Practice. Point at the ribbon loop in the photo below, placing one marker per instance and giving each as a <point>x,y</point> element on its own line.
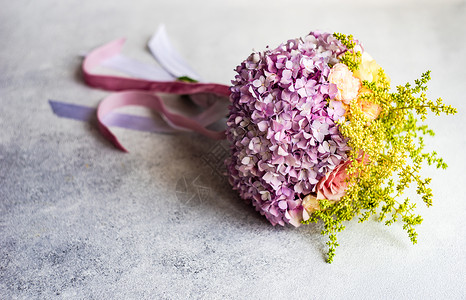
<point>141,92</point>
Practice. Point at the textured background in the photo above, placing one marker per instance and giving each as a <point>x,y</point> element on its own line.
<point>79,219</point>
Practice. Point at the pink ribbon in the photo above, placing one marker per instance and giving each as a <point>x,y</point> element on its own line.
<point>141,92</point>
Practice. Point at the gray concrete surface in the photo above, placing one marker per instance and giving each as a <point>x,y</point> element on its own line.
<point>80,220</point>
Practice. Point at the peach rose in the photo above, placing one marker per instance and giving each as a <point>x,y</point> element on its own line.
<point>333,185</point>
<point>348,85</point>
<point>370,110</point>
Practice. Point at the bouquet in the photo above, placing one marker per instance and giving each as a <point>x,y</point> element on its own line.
<point>316,132</point>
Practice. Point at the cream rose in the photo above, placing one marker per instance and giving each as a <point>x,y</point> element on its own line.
<point>348,85</point>
<point>310,205</point>
<point>368,69</point>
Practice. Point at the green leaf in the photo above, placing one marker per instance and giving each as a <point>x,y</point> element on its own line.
<point>186,79</point>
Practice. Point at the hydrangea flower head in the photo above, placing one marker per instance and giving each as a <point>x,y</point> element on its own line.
<point>282,125</point>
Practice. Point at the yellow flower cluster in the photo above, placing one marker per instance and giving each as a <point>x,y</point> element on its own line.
<point>382,126</point>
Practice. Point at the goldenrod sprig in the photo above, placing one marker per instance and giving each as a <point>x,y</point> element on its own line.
<point>393,155</point>
<point>350,58</point>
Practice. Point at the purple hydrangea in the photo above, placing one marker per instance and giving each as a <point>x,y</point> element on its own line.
<point>282,128</point>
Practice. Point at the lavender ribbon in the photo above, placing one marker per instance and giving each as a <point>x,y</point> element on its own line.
<point>88,114</point>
